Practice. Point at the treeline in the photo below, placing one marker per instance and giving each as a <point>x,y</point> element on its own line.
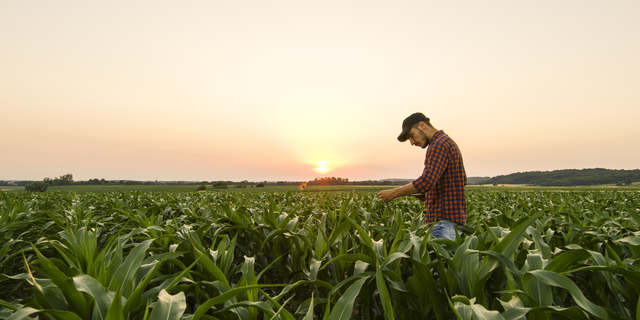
<point>67,180</point>
<point>569,177</point>
<point>15,183</point>
<point>334,181</point>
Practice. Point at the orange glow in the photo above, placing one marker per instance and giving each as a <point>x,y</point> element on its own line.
<point>322,166</point>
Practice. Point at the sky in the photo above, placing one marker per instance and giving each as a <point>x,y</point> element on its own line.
<point>277,90</point>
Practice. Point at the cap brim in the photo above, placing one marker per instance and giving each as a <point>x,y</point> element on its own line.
<point>403,135</point>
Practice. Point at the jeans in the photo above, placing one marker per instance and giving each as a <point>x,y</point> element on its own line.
<point>445,229</point>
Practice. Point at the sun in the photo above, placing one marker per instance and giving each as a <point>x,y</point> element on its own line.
<point>322,166</point>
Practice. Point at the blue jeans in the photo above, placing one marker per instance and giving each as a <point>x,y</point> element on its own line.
<point>444,229</point>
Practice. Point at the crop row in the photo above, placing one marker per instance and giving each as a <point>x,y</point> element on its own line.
<point>324,255</point>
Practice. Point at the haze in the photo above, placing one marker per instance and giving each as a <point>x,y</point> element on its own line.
<point>268,90</point>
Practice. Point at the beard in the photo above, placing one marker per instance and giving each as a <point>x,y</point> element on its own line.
<point>425,137</point>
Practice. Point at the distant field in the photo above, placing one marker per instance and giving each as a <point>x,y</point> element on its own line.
<point>516,187</point>
<point>9,189</point>
<point>193,188</point>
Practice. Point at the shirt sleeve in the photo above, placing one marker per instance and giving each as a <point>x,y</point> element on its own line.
<point>434,165</point>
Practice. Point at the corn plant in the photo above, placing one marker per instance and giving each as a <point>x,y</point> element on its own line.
<point>322,255</point>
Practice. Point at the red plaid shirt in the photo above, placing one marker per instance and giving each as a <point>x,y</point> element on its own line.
<point>443,181</point>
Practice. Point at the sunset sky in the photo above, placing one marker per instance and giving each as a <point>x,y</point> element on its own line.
<point>274,90</point>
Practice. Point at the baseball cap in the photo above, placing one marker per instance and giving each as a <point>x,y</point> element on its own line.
<point>409,122</point>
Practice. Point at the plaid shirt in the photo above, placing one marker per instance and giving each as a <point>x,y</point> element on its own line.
<point>443,181</point>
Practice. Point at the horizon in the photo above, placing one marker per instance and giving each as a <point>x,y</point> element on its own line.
<point>350,180</point>
<point>287,91</point>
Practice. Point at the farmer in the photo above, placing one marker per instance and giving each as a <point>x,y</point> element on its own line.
<point>442,181</point>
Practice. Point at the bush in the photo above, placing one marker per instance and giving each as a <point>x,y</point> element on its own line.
<point>37,186</point>
<point>220,185</point>
<point>202,188</point>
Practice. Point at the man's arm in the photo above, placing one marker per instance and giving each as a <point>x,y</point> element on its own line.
<point>390,194</point>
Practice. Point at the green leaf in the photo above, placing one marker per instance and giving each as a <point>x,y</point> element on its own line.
<point>471,310</point>
<point>338,232</point>
<point>75,299</point>
<point>91,286</point>
<point>363,234</point>
<point>437,298</point>
<point>23,313</point>
<point>123,277</point>
<point>344,307</point>
<point>41,299</point>
<point>514,309</point>
<point>169,307</point>
<point>509,243</point>
<point>387,306</point>
<point>61,314</point>
<point>115,309</point>
<point>563,262</point>
<point>634,241</point>
<point>210,266</point>
<point>281,310</point>
<point>393,257</point>
<point>203,308</point>
<point>180,276</point>
<point>258,305</point>
<point>351,258</point>
<point>573,313</point>
<point>134,299</point>
<point>558,280</point>
<point>309,315</point>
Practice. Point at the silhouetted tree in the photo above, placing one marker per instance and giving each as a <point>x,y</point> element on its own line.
<point>37,186</point>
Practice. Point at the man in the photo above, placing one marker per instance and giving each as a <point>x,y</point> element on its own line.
<point>442,181</point>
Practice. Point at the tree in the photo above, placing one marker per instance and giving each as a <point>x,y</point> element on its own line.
<point>220,185</point>
<point>37,186</point>
<point>63,180</point>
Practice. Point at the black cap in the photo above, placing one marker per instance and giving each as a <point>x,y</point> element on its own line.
<point>409,122</point>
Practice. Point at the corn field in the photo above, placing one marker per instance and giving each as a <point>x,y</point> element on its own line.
<point>324,255</point>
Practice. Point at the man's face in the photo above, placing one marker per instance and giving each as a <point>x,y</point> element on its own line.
<point>419,138</point>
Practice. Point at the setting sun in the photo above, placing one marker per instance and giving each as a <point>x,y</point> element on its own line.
<point>322,166</point>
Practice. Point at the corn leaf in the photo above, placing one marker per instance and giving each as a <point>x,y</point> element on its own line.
<point>23,313</point>
<point>115,309</point>
<point>344,306</point>
<point>99,294</point>
<point>75,299</point>
<point>204,307</point>
<point>169,307</point>
<point>558,280</point>
<point>384,294</point>
<point>123,278</point>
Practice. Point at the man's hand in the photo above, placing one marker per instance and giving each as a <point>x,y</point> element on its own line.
<point>386,195</point>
